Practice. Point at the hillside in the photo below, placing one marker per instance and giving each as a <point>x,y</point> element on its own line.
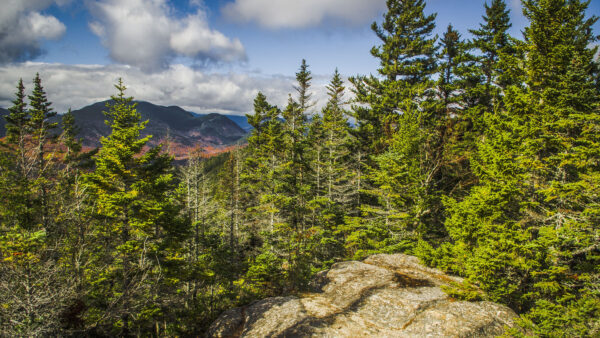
<point>240,120</point>
<point>185,130</point>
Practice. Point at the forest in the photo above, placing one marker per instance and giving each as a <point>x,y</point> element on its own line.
<point>480,156</point>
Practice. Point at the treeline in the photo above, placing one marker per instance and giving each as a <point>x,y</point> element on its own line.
<point>481,156</point>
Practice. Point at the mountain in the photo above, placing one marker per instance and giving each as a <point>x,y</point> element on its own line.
<point>240,120</point>
<point>186,131</point>
<point>183,129</point>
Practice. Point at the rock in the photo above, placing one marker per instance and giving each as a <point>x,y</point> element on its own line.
<point>383,296</point>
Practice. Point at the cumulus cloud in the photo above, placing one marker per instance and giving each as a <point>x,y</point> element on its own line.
<point>23,27</point>
<point>79,85</point>
<point>148,34</point>
<point>302,14</point>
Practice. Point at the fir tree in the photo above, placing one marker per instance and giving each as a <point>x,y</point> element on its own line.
<point>333,189</point>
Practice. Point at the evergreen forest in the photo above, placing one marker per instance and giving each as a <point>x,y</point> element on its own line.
<point>480,156</point>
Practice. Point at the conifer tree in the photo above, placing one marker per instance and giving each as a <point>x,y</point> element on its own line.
<point>17,126</point>
<point>18,205</point>
<point>261,168</point>
<point>261,179</point>
<point>498,50</point>
<point>70,131</point>
<point>402,113</point>
<point>333,189</point>
<point>562,154</point>
<point>294,187</point>
<point>137,228</point>
<point>40,114</point>
<point>336,141</point>
<point>407,60</point>
<point>40,126</point>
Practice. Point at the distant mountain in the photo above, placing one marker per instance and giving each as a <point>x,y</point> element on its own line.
<point>183,128</point>
<point>240,120</point>
<point>185,131</point>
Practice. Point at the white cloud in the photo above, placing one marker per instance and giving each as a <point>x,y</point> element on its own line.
<point>23,27</point>
<point>516,5</point>
<point>302,13</point>
<point>79,85</point>
<point>148,34</point>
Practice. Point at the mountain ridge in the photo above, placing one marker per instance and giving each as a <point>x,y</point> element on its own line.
<point>184,130</point>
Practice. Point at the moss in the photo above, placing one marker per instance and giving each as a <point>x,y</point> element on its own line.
<point>464,291</point>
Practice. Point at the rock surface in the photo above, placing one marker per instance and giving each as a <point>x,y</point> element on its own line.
<point>383,296</point>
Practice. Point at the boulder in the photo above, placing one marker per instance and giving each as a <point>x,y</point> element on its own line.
<point>383,296</point>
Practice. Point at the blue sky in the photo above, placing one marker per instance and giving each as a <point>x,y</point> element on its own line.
<point>211,55</point>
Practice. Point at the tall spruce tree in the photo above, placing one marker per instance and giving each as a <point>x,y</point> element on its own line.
<point>294,188</point>
<point>137,232</point>
<point>562,157</point>
<point>401,112</point>
<point>498,51</point>
<point>337,177</point>
<point>18,205</point>
<point>40,127</point>
<point>407,60</point>
<point>333,193</point>
<point>261,183</point>
<point>17,126</point>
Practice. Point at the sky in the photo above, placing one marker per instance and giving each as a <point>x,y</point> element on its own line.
<point>203,55</point>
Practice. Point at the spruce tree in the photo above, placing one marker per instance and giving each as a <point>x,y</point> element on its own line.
<point>407,60</point>
<point>498,49</point>
<point>137,232</point>
<point>69,139</point>
<point>261,195</point>
<point>40,114</point>
<point>562,155</point>
<point>17,124</point>
<point>262,166</point>
<point>401,199</point>
<point>40,126</point>
<point>19,208</point>
<point>293,184</point>
<point>332,178</point>
<point>336,142</point>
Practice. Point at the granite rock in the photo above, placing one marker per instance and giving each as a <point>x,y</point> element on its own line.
<point>383,296</point>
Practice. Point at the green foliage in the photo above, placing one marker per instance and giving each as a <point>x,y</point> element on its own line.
<point>521,233</point>
<point>17,119</point>
<point>480,157</point>
<point>137,230</point>
<point>463,291</point>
